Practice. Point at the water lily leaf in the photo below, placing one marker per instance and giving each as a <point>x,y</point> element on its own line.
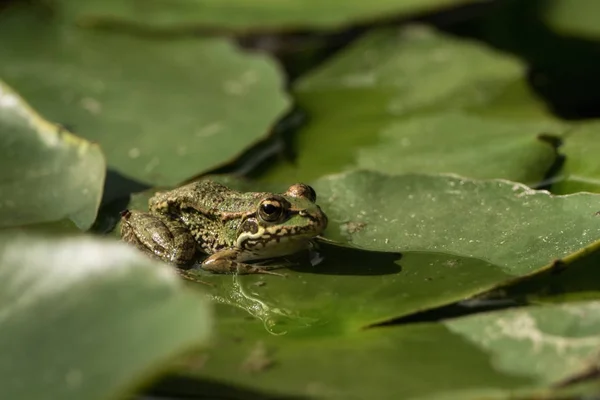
<point>162,110</point>
<point>457,238</point>
<point>489,220</point>
<point>395,97</point>
<point>573,17</point>
<point>47,174</point>
<point>519,353</point>
<point>581,169</point>
<point>417,68</point>
<point>464,144</point>
<point>243,15</point>
<point>100,318</point>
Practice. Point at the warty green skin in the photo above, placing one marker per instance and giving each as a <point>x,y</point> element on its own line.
<point>230,227</point>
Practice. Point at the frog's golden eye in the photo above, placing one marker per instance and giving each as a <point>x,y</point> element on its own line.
<point>270,210</point>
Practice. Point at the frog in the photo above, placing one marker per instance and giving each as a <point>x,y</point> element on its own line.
<point>231,230</point>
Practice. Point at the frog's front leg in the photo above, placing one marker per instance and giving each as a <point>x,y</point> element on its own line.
<point>158,236</point>
<point>226,261</point>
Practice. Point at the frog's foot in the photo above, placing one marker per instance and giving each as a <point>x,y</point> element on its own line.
<point>187,274</point>
<point>224,262</point>
<point>158,237</point>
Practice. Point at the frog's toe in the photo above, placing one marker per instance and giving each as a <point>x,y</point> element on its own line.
<point>242,268</point>
<point>220,266</point>
<point>258,270</point>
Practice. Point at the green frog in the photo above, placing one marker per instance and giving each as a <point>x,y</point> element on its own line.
<point>229,227</point>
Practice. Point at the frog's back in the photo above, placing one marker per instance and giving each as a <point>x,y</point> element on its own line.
<point>206,196</point>
<point>219,197</point>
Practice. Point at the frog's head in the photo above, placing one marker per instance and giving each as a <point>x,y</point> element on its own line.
<point>282,222</point>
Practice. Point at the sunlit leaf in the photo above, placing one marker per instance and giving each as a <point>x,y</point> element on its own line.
<point>46,174</point>
<point>83,318</point>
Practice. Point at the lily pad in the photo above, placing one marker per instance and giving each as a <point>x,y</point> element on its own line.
<point>581,170</point>
<point>46,173</point>
<point>244,15</point>
<point>464,144</point>
<point>396,96</point>
<point>162,110</point>
<point>100,319</point>
<point>573,17</point>
<point>410,243</point>
<point>512,354</point>
<point>502,222</point>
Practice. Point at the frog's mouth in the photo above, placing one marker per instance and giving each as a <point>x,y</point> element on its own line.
<point>273,249</point>
<point>280,239</point>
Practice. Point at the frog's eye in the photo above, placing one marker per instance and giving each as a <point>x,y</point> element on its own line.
<point>302,190</point>
<point>270,210</point>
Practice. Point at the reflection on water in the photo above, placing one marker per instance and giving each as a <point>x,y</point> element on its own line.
<point>310,293</point>
<point>276,319</point>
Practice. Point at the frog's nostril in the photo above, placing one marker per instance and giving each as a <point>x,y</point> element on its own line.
<point>125,214</point>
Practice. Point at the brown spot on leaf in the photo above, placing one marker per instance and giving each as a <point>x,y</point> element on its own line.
<point>258,359</point>
<point>353,227</point>
<point>196,362</point>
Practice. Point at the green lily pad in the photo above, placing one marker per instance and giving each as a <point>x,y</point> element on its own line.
<point>411,101</point>
<point>457,238</point>
<point>244,15</point>
<point>581,169</point>
<point>573,17</point>
<point>512,354</point>
<point>84,318</point>
<point>502,222</point>
<point>464,144</point>
<point>47,174</point>
<point>162,110</point>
